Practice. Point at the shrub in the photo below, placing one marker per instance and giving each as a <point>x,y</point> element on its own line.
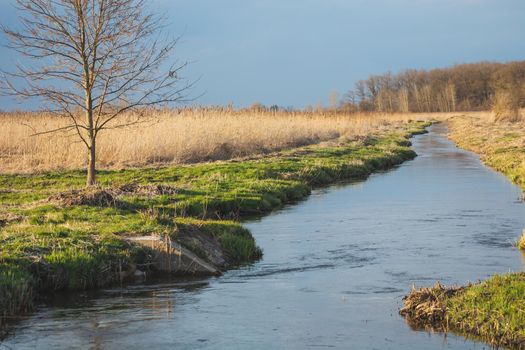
<point>506,106</point>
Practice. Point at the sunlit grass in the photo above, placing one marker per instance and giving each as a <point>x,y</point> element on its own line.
<point>493,310</point>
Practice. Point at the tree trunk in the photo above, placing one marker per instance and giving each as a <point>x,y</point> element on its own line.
<point>91,173</point>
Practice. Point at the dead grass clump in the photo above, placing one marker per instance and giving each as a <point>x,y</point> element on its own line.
<point>91,196</point>
<point>425,307</point>
<point>7,218</point>
<point>108,197</point>
<point>146,190</point>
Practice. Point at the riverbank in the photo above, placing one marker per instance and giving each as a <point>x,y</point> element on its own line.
<point>493,310</point>
<point>57,236</point>
<point>500,145</point>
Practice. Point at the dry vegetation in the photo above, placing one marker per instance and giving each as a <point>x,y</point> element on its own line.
<point>176,137</point>
<point>426,307</point>
<point>500,144</point>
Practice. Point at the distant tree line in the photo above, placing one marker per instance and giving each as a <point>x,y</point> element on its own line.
<point>464,87</point>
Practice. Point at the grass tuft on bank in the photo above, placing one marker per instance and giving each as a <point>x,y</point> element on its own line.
<point>492,311</point>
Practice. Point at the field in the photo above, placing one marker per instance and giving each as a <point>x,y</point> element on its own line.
<point>178,137</point>
<point>56,235</point>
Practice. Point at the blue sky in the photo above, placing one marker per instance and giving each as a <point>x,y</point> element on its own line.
<point>295,52</point>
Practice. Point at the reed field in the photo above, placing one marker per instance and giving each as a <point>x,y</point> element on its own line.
<point>179,136</point>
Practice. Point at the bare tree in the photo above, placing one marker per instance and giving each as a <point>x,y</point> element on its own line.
<point>93,61</point>
<point>403,100</point>
<point>333,99</point>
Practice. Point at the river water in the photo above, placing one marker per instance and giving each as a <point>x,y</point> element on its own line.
<point>335,269</point>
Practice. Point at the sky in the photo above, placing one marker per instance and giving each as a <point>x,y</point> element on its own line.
<point>296,52</point>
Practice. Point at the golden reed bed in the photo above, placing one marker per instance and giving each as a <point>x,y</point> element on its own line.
<point>178,136</point>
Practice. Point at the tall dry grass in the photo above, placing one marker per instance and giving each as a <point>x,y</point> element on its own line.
<point>177,136</point>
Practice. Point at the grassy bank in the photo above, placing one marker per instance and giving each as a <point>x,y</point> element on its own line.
<point>500,145</point>
<point>492,311</point>
<point>55,236</point>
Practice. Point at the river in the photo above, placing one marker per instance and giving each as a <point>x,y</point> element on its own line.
<point>334,272</point>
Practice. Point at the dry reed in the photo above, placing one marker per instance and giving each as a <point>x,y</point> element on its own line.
<point>177,136</point>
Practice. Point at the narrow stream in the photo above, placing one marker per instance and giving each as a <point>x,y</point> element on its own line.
<point>335,269</point>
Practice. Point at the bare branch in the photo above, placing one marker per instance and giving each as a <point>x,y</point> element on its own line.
<point>94,61</point>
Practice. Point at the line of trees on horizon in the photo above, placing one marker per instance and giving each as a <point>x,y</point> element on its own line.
<point>463,87</point>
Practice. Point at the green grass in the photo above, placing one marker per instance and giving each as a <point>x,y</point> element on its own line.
<point>51,248</point>
<point>493,310</point>
<point>509,161</point>
<point>16,290</point>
